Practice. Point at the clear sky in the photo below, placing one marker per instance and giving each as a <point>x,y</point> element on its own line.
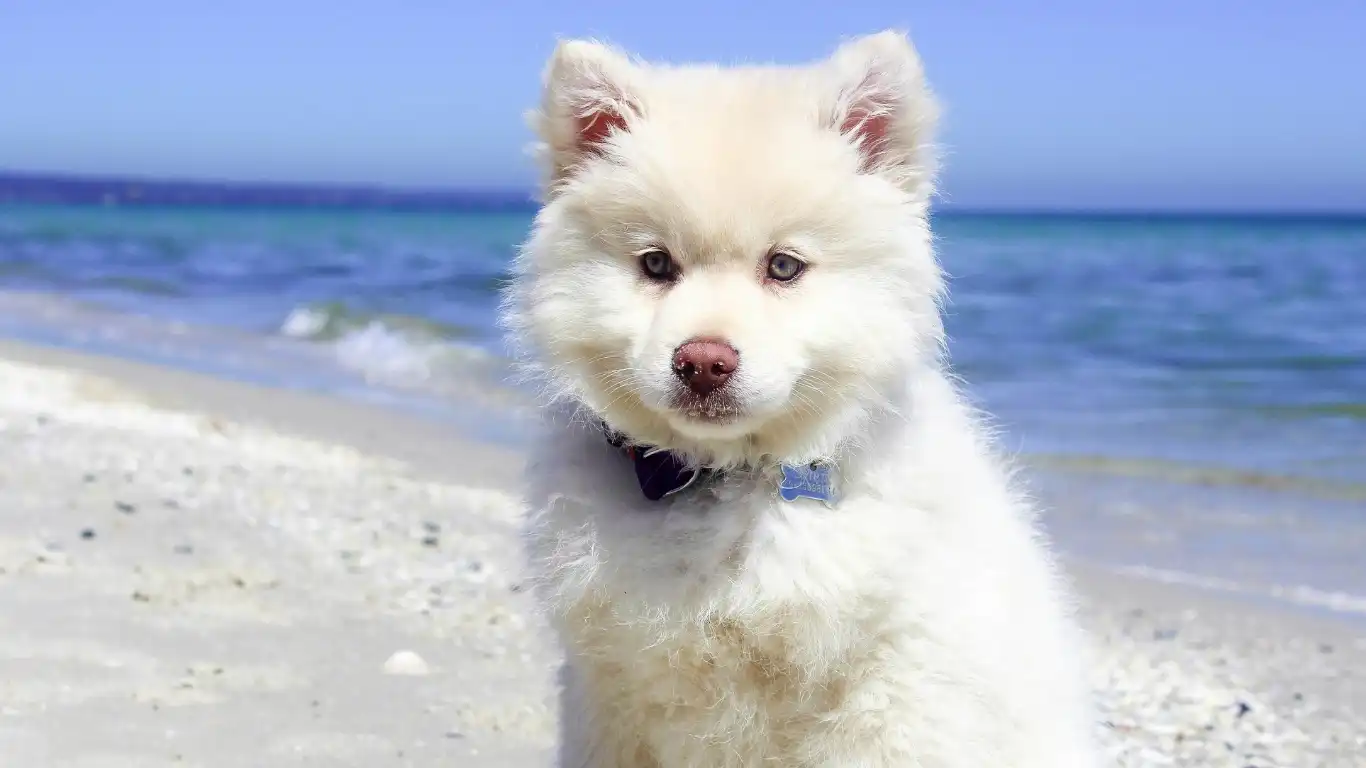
<point>1051,103</point>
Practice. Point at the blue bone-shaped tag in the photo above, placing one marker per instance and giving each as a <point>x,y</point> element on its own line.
<point>809,480</point>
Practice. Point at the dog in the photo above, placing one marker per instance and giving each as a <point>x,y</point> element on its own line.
<point>765,524</point>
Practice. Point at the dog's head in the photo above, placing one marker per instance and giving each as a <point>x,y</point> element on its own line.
<point>732,262</point>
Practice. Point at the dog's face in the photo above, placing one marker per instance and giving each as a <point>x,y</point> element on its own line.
<point>732,262</point>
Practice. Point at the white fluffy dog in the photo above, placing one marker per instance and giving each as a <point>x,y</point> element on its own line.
<point>767,528</point>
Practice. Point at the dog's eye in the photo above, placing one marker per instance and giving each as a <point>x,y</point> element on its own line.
<point>658,265</point>
<point>784,267</point>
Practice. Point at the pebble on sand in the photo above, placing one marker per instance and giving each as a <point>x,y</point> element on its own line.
<point>406,663</point>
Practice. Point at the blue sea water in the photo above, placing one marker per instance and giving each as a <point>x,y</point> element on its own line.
<point>1189,391</point>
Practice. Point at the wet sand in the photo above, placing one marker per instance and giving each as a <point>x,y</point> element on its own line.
<point>202,572</point>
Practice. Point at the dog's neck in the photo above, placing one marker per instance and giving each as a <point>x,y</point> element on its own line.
<point>663,470</point>
<point>660,471</point>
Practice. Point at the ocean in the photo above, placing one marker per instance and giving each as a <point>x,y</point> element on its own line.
<point>1187,393</point>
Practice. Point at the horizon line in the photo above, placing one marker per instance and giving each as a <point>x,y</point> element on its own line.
<point>113,190</point>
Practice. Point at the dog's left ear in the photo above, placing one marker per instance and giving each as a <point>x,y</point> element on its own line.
<point>881,103</point>
<point>590,93</point>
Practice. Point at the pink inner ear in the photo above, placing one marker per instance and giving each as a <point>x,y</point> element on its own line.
<point>870,131</point>
<point>595,128</point>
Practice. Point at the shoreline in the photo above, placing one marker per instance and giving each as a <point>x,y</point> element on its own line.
<point>268,525</point>
<point>412,428</point>
<point>45,320</point>
<point>374,429</point>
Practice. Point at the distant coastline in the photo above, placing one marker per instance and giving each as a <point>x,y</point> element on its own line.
<point>63,189</point>
<point>132,191</point>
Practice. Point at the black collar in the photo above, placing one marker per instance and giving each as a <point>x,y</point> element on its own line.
<point>662,473</point>
<point>659,471</point>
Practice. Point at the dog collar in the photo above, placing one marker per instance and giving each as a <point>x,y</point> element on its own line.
<point>662,473</point>
<point>659,471</point>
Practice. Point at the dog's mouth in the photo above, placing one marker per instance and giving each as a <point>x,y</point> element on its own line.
<point>717,408</point>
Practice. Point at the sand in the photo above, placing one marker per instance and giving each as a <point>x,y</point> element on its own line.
<point>202,572</point>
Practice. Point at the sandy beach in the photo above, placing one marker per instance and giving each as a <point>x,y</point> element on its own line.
<point>207,573</point>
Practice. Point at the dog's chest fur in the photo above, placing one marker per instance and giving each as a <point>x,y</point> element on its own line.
<point>719,691</point>
<point>714,625</point>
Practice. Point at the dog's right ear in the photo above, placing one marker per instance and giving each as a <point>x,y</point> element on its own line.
<point>589,95</point>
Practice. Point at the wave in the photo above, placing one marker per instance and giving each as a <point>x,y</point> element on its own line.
<point>39,276</point>
<point>1309,597</point>
<point>399,350</point>
<point>332,320</point>
<point>1186,473</point>
<point>1340,410</point>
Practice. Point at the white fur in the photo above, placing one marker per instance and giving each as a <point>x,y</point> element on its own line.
<point>919,622</point>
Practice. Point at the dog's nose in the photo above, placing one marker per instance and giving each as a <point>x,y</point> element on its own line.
<point>705,364</point>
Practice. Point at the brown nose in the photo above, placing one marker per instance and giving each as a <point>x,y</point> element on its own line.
<point>705,364</point>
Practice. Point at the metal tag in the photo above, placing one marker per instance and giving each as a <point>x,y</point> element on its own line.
<point>810,480</point>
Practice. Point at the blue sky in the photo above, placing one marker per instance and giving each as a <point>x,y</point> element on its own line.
<point>1071,103</point>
